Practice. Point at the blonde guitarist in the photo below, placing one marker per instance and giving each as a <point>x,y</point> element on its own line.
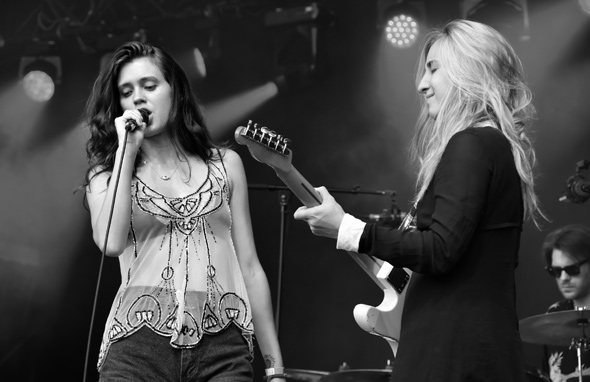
<point>475,187</point>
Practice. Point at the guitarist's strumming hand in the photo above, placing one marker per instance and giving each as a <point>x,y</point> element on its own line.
<point>325,219</point>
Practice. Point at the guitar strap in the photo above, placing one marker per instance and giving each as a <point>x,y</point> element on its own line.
<point>408,220</point>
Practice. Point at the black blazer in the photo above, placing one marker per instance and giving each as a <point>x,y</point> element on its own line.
<point>459,321</point>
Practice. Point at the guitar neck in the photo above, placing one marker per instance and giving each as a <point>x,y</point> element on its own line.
<point>307,194</point>
<point>302,189</point>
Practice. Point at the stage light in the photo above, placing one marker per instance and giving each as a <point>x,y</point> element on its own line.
<point>401,21</point>
<point>200,63</point>
<point>293,79</point>
<point>294,60</point>
<point>207,52</point>
<point>39,76</point>
<point>295,37</point>
<point>284,16</point>
<point>585,5</point>
<point>402,30</point>
<point>509,17</point>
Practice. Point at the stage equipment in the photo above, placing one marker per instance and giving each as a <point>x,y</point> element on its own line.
<point>577,189</point>
<point>304,375</point>
<point>566,328</point>
<point>295,38</point>
<point>295,15</point>
<point>401,21</point>
<point>39,76</point>
<point>509,17</point>
<point>358,375</point>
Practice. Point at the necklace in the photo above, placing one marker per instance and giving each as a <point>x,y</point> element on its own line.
<point>163,177</point>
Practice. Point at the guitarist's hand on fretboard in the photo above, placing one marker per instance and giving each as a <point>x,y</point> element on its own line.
<point>325,219</point>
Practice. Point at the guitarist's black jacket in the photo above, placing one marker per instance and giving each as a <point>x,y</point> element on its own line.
<point>459,321</point>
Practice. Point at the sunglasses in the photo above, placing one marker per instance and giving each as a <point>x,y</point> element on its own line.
<point>572,270</point>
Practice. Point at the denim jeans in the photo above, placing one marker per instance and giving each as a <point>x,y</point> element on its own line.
<point>147,356</point>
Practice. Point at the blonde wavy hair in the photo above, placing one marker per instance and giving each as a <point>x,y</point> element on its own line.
<point>487,85</point>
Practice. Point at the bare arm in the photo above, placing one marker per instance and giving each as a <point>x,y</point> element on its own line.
<point>254,275</point>
<point>100,191</point>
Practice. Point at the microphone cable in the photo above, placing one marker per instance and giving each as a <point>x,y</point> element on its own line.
<point>106,238</point>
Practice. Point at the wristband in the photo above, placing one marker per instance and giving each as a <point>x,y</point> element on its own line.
<point>275,372</point>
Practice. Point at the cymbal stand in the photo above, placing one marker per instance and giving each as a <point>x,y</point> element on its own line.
<point>581,343</point>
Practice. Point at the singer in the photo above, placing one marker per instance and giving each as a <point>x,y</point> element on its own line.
<point>474,190</point>
<point>173,208</point>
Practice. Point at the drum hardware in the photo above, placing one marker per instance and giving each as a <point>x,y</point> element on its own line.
<point>565,328</point>
<point>344,374</point>
<point>304,375</point>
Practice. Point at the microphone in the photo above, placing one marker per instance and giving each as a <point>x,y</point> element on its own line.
<point>131,125</point>
<point>577,190</point>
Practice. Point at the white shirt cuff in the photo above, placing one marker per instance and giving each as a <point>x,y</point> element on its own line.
<point>349,233</point>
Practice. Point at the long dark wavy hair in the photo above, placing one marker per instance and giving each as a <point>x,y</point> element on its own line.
<point>187,128</point>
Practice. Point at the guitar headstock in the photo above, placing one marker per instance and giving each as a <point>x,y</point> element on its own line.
<point>265,145</point>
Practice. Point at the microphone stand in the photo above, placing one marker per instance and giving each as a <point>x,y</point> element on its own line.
<point>104,250</point>
<point>284,199</point>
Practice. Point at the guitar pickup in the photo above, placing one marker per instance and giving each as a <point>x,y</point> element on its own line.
<point>398,278</point>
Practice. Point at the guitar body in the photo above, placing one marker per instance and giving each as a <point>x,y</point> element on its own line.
<point>384,320</point>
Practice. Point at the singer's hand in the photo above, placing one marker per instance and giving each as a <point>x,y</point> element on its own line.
<point>135,135</point>
<point>325,219</point>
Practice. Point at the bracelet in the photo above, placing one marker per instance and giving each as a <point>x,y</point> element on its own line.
<point>275,372</point>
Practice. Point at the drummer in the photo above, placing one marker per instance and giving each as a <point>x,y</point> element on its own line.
<point>566,252</point>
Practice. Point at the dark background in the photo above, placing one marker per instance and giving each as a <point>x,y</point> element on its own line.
<point>350,123</point>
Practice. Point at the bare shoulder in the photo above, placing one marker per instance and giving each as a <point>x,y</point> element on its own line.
<point>233,164</point>
<point>229,155</point>
<point>98,179</point>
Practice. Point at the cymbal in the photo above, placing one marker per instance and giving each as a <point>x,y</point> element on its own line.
<point>557,328</point>
<point>304,375</point>
<point>358,375</point>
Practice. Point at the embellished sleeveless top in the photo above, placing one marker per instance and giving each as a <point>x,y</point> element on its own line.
<point>180,273</point>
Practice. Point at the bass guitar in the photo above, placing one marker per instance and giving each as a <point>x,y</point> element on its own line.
<point>268,147</point>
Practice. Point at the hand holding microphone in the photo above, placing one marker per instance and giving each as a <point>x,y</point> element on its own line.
<point>131,124</point>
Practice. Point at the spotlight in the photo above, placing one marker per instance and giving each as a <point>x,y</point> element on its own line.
<point>200,63</point>
<point>39,75</point>
<point>400,21</point>
<point>207,52</point>
<point>585,5</point>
